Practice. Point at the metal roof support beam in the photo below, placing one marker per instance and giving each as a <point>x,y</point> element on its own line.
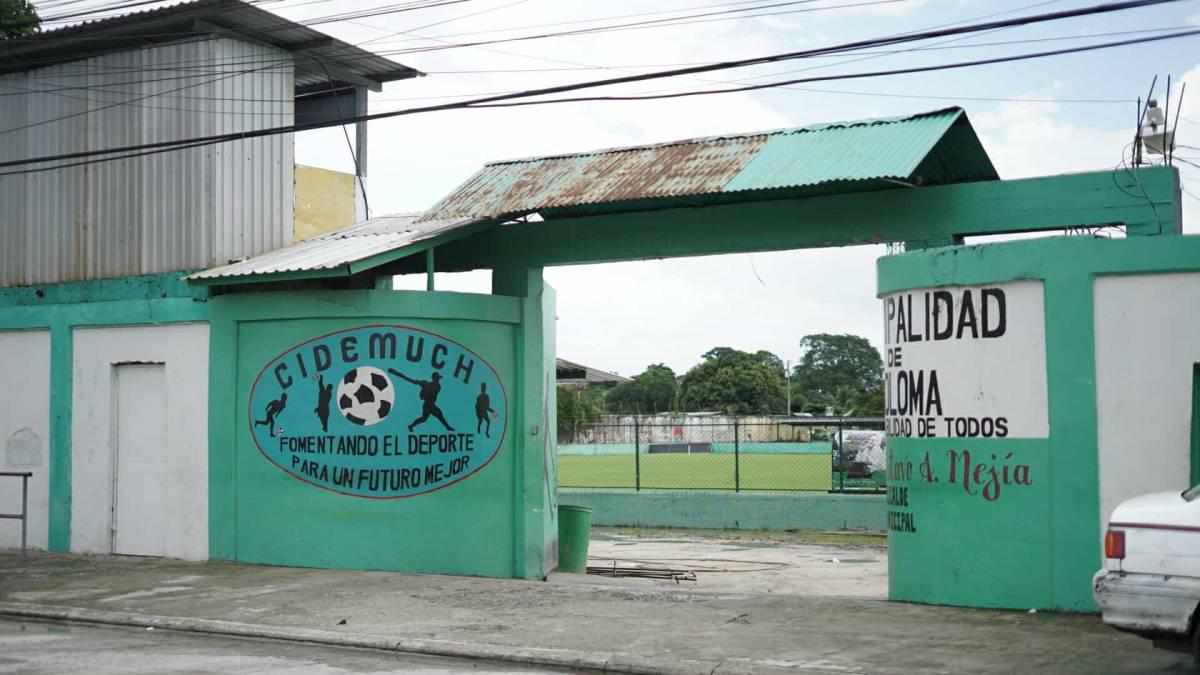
<point>1145,201</point>
<point>342,75</point>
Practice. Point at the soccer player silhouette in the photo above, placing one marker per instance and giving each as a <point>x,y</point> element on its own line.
<point>483,406</point>
<point>324,396</point>
<point>273,409</point>
<point>429,392</point>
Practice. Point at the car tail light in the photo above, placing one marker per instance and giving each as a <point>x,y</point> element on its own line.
<point>1114,545</point>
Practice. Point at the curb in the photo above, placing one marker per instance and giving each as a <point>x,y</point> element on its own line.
<point>556,658</point>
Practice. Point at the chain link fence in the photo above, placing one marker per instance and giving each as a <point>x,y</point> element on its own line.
<point>796,454</point>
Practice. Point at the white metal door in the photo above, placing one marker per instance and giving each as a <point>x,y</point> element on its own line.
<point>139,470</point>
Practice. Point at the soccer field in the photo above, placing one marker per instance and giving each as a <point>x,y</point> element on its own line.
<point>701,471</point>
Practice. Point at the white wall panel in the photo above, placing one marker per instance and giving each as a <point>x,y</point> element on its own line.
<point>184,209</point>
<point>1146,344</point>
<point>184,350</point>
<point>25,432</point>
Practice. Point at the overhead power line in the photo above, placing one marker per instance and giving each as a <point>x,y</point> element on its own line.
<point>509,99</point>
<point>186,37</point>
<point>106,87</point>
<point>446,45</point>
<point>850,76</point>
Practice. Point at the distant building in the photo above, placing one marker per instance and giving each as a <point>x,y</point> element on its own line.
<point>579,376</point>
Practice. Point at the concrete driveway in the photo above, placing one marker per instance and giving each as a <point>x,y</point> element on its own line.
<point>573,622</point>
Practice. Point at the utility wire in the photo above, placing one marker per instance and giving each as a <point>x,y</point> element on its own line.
<point>622,27</point>
<point>577,21</point>
<point>169,146</point>
<point>109,106</point>
<point>849,76</point>
<point>353,155</point>
<point>510,99</point>
<point>198,36</point>
<point>678,21</point>
<point>103,88</point>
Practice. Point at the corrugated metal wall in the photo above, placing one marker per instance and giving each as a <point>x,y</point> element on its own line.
<point>171,211</point>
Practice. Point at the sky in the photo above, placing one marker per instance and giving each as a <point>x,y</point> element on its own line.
<point>1033,120</point>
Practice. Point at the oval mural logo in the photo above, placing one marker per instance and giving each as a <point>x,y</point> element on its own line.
<point>379,411</point>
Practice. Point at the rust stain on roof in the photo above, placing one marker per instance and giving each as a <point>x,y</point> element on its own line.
<point>847,153</point>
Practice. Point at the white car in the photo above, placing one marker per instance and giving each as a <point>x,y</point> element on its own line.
<point>1150,584</point>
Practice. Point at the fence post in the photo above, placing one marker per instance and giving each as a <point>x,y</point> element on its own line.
<point>737,463</point>
<point>841,449</point>
<point>637,456</point>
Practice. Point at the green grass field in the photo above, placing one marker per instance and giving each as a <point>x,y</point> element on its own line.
<point>697,472</point>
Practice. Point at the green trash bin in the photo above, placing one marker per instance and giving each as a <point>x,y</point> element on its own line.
<point>574,531</point>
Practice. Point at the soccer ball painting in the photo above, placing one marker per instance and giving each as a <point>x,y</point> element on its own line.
<point>365,396</point>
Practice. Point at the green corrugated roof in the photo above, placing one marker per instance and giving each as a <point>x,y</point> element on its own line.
<point>930,148</point>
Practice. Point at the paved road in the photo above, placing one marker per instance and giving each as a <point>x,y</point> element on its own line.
<point>33,647</point>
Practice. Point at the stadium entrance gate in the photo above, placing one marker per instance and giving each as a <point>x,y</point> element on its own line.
<point>994,354</point>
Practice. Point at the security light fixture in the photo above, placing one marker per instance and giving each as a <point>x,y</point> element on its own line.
<point>1155,136</point>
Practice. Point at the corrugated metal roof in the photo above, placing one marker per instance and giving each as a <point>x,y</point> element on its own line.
<point>337,249</point>
<point>572,372</point>
<point>314,52</point>
<point>818,159</point>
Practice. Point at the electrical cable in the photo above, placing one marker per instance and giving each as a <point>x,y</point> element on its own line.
<point>930,97</point>
<point>452,45</point>
<point>584,21</point>
<point>494,101</point>
<point>91,111</point>
<point>448,45</point>
<point>192,36</point>
<point>353,155</point>
<point>850,76</point>
<point>633,26</point>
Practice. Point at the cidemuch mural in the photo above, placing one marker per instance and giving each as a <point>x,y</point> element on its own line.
<point>378,411</point>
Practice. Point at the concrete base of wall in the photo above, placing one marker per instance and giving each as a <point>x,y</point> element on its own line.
<point>732,510</point>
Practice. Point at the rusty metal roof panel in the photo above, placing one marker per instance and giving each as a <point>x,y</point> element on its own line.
<point>818,159</point>
<point>657,171</point>
<point>336,249</point>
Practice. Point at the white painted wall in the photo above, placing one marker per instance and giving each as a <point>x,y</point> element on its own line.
<point>184,350</point>
<point>985,344</point>
<point>1147,338</point>
<point>25,432</point>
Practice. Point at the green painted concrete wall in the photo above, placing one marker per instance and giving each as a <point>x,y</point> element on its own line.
<point>731,510</point>
<point>1037,545</point>
<point>260,513</point>
<point>140,300</point>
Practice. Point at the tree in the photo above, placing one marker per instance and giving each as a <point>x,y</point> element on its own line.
<point>18,18</point>
<point>773,362</point>
<point>651,391</point>
<point>844,372</point>
<point>735,382</point>
<point>574,410</point>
